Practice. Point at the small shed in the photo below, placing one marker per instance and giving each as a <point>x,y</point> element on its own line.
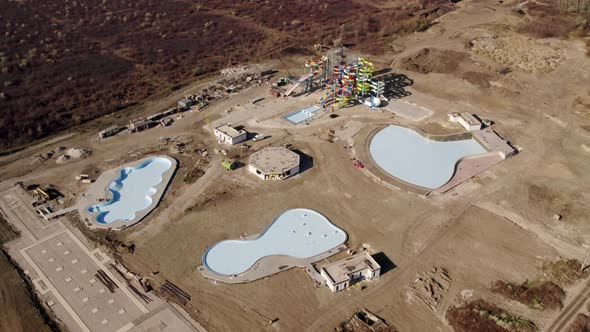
<point>186,103</point>
<point>111,131</point>
<point>230,135</point>
<point>141,125</point>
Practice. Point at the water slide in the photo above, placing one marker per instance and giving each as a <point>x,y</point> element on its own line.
<point>298,83</point>
<point>365,72</point>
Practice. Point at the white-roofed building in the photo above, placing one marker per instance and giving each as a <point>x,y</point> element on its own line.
<point>274,163</point>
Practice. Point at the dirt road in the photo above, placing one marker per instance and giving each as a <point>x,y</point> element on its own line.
<point>568,314</point>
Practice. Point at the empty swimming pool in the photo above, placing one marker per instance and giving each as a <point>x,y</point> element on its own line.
<point>302,114</point>
<point>299,233</point>
<point>132,191</point>
<point>413,158</point>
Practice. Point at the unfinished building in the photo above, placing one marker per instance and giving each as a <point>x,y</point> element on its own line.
<point>346,272</point>
<point>230,135</point>
<point>467,120</point>
<point>274,163</point>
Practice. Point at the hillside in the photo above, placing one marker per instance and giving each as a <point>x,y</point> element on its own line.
<point>63,63</point>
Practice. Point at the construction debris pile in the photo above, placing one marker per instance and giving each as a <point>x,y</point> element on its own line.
<point>173,291</point>
<point>234,70</point>
<point>138,284</point>
<point>233,84</point>
<point>430,287</point>
<point>73,153</point>
<point>175,144</point>
<point>46,155</point>
<point>364,321</point>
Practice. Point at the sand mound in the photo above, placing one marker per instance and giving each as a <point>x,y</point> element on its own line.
<point>516,51</point>
<point>432,60</point>
<point>73,153</point>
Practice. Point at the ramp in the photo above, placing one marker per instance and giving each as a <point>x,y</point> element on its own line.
<point>298,83</point>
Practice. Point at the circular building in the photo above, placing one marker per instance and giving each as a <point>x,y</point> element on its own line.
<point>274,163</point>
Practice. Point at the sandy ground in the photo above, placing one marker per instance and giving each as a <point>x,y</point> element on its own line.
<point>535,110</point>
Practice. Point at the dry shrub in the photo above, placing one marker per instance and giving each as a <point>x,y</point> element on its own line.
<point>581,324</point>
<point>65,65</point>
<point>557,19</point>
<point>563,272</point>
<point>547,295</point>
<point>481,316</point>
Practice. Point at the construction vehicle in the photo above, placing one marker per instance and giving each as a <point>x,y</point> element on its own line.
<point>41,194</point>
<point>229,165</point>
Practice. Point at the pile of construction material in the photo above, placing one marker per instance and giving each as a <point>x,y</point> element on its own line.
<point>234,70</point>
<point>175,144</point>
<point>72,154</point>
<point>175,292</point>
<point>106,280</point>
<point>364,321</point>
<point>46,155</point>
<point>84,178</point>
<point>233,84</point>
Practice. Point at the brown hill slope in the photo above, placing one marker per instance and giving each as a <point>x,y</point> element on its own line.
<point>65,62</point>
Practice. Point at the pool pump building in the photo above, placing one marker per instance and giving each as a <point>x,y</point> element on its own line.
<point>274,163</point>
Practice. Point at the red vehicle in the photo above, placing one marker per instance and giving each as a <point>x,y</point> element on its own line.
<point>357,163</point>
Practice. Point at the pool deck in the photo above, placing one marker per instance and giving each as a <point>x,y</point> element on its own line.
<point>274,264</point>
<point>99,189</point>
<point>407,110</point>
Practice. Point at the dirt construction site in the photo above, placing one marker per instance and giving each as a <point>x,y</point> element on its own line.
<point>437,252</point>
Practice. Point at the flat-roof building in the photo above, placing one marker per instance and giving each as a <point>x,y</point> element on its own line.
<point>274,163</point>
<point>110,131</point>
<point>491,141</point>
<point>343,273</point>
<point>467,120</point>
<point>230,135</point>
<point>141,125</point>
<point>186,103</point>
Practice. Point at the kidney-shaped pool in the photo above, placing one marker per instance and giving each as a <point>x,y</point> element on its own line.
<point>299,233</point>
<point>132,191</point>
<point>415,159</point>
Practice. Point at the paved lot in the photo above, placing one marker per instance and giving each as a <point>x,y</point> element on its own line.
<point>64,271</point>
<point>71,270</point>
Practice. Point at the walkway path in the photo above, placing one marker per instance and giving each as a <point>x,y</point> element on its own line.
<point>570,312</point>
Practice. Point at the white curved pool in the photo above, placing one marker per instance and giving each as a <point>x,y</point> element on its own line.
<point>132,191</point>
<point>413,158</point>
<point>299,233</point>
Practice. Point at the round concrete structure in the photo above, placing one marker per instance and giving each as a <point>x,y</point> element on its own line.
<point>274,163</point>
